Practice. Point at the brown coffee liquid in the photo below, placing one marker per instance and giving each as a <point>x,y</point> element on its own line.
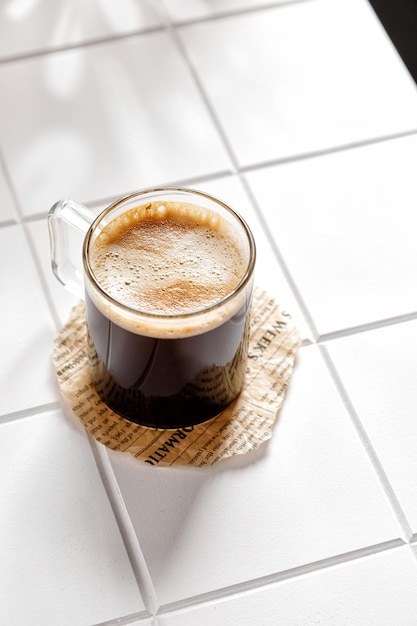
<point>169,259</point>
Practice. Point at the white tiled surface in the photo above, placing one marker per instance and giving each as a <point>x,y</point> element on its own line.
<point>28,27</point>
<point>386,408</point>
<point>338,595</point>
<point>61,549</point>
<point>26,374</point>
<point>302,116</point>
<point>355,206</point>
<point>89,119</point>
<point>300,78</point>
<point>8,213</point>
<point>235,523</point>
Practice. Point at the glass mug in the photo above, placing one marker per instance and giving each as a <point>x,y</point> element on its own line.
<point>167,325</point>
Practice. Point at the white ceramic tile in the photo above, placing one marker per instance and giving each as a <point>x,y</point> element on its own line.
<point>302,77</point>
<point>63,559</point>
<point>7,208</point>
<point>378,589</point>
<point>195,9</point>
<point>378,369</point>
<point>27,329</point>
<point>346,228</point>
<point>308,494</point>
<point>104,120</point>
<point>27,27</point>
<point>268,273</point>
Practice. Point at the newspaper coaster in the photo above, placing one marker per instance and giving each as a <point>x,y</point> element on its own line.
<point>239,429</point>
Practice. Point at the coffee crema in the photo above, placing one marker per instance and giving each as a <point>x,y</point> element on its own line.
<point>168,258</point>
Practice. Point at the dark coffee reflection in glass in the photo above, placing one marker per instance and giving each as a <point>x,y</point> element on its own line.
<point>167,383</point>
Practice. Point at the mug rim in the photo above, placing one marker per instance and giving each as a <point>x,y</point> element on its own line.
<point>246,278</point>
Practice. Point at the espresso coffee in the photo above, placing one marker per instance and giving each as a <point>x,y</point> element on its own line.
<point>167,258</point>
<point>153,360</point>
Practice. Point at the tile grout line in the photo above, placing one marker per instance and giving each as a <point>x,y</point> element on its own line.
<point>133,619</point>
<point>7,223</point>
<point>366,327</point>
<point>37,263</point>
<point>125,526</point>
<point>184,182</point>
<point>268,580</point>
<point>413,549</point>
<point>369,449</point>
<point>31,411</point>
<point>282,263</point>
<point>237,171</point>
<point>114,38</point>
<point>235,12</point>
<point>68,47</point>
<point>353,145</point>
<point>172,30</point>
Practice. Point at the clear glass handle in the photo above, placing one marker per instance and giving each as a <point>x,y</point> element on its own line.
<point>63,216</point>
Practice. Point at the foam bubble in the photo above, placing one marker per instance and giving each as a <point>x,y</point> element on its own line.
<point>168,258</point>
